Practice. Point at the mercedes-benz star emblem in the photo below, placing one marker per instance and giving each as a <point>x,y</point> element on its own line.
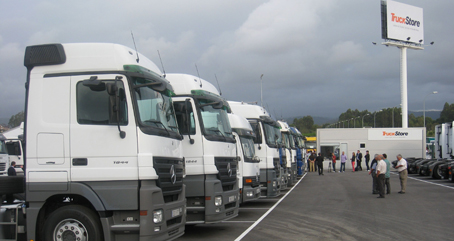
<point>229,170</point>
<point>173,176</point>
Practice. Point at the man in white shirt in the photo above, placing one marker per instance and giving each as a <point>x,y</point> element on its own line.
<point>402,169</point>
<point>381,171</point>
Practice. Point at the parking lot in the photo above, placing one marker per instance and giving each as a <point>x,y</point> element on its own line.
<point>340,206</point>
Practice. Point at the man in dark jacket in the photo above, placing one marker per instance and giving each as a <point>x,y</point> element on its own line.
<point>359,159</point>
<point>319,161</point>
<point>12,170</point>
<point>373,173</point>
<point>367,157</point>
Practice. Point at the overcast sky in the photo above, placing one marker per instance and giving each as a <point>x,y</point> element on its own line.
<point>316,56</point>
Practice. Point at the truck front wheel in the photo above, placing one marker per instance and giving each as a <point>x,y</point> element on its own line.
<point>73,222</point>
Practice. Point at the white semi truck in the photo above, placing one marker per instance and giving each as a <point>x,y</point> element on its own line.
<point>290,150</point>
<point>4,163</point>
<point>248,165</point>
<point>209,149</point>
<point>300,150</point>
<point>267,140</point>
<point>103,155</point>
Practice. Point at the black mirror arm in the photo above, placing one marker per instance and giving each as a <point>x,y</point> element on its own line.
<point>117,108</point>
<point>188,121</point>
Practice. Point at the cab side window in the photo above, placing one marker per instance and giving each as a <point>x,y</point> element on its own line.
<point>180,112</point>
<point>97,107</point>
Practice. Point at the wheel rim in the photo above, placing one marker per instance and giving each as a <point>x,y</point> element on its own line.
<point>70,230</point>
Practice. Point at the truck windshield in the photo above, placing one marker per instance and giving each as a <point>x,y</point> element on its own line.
<point>215,121</point>
<point>272,135</point>
<point>286,139</point>
<point>292,141</point>
<point>248,148</point>
<point>155,108</point>
<point>3,148</point>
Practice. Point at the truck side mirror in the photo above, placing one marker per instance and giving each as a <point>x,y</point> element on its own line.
<point>94,84</point>
<point>188,120</point>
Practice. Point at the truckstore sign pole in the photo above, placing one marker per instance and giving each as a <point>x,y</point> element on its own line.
<point>402,26</point>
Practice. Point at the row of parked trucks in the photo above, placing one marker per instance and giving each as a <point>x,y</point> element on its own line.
<point>441,164</point>
<point>113,149</point>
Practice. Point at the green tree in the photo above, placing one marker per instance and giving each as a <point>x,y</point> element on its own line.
<point>447,114</point>
<point>16,119</point>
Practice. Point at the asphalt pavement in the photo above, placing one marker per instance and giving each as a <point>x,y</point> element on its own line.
<point>341,206</point>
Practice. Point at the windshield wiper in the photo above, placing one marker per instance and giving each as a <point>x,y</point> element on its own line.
<point>217,130</point>
<point>157,123</point>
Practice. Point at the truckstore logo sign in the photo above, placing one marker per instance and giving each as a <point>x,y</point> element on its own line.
<point>397,133</point>
<point>407,134</point>
<point>407,20</point>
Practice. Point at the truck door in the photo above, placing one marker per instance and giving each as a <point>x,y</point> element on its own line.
<point>192,149</point>
<point>98,152</point>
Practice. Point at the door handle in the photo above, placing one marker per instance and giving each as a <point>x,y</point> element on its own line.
<point>80,161</point>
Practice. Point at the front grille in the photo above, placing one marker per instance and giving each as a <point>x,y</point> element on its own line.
<point>173,221</point>
<point>276,166</point>
<point>2,167</point>
<point>230,205</point>
<point>227,169</point>
<point>170,180</point>
<point>229,213</point>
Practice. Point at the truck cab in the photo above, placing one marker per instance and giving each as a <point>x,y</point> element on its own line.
<point>209,149</point>
<point>290,150</point>
<point>248,163</point>
<point>266,142</point>
<point>300,151</point>
<point>103,156</point>
<point>4,163</point>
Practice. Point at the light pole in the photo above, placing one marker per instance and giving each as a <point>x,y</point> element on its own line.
<point>354,121</point>
<point>434,92</point>
<point>261,91</point>
<point>393,115</point>
<point>362,123</point>
<point>374,116</point>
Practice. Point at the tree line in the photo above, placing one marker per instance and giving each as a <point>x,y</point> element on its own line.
<point>390,117</point>
<point>349,119</point>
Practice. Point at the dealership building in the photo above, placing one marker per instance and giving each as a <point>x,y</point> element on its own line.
<point>410,142</point>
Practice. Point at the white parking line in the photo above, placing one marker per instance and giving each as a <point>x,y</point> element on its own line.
<point>268,212</point>
<point>238,221</point>
<point>254,208</point>
<point>442,185</point>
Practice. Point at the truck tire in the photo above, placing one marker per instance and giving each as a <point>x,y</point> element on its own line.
<point>436,172</point>
<point>72,222</point>
<point>12,184</point>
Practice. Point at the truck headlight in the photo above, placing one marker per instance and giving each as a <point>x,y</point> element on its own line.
<point>218,201</point>
<point>274,184</point>
<point>157,216</point>
<point>250,194</point>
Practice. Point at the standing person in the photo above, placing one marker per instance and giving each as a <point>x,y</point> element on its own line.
<point>359,157</point>
<point>308,160</point>
<point>334,162</point>
<point>312,160</point>
<point>367,157</point>
<point>353,161</point>
<point>320,164</point>
<point>372,172</point>
<point>12,170</point>
<point>387,175</point>
<point>381,171</point>
<point>402,169</point>
<point>343,160</point>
